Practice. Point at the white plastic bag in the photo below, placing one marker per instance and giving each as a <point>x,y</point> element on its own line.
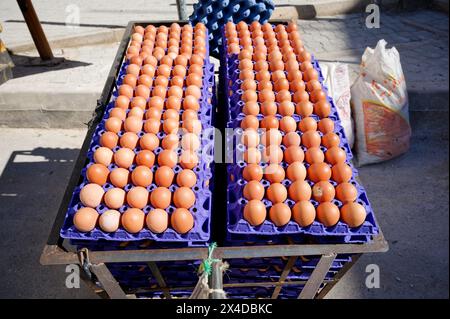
<point>380,106</point>
<point>338,83</point>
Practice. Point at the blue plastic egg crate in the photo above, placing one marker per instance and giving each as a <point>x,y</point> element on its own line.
<point>236,224</point>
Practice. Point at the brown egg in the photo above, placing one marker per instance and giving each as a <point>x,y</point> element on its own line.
<point>263,75</point>
<point>313,85</point>
<point>287,124</point>
<point>182,220</point>
<point>114,198</point>
<point>186,178</point>
<point>314,155</point>
<point>153,113</point>
<point>353,214</point>
<point>85,219</point>
<point>192,125</point>
<point>133,69</point>
<point>297,84</point>
<point>157,102</point>
<point>97,173</point>
<point>274,173</point>
<point>194,79</point>
<point>300,96</point>
<point>283,95</point>
<point>296,171</point>
<point>328,214</point>
<point>149,141</point>
<point>175,91</point>
<point>265,85</point>
<point>304,109</point>
<point>190,141</point>
<point>171,126</point>
<point>142,90</point>
<point>266,95</point>
<point>326,125</point>
<point>323,191</point>
<point>250,138</point>
<point>173,102</point>
<point>157,220</point>
<point>249,96</point>
<point>170,141</point>
<point>103,155</point>
<point>286,108</point>
<point>113,124</point>
<point>146,158</point>
<point>164,176</point>
<point>160,197</point>
<point>341,172</point>
<point>322,108</point>
<point>109,140</point>
<point>137,111</point>
<point>335,155</point>
<point>330,140</point>
<point>276,193</point>
<point>188,159</point>
<point>245,64</point>
<point>91,195</point>
<point>132,124</point>
<point>319,172</point>
<point>119,177</point>
<point>273,154</point>
<point>250,121</point>
<point>268,108</point>
<point>252,172</point>
<point>152,125</point>
<point>297,76</point>
<point>299,190</point>
<point>109,221</point>
<point>146,80</point>
<point>251,108</point>
<point>280,214</point>
<point>311,139</point>
<point>253,190</point>
<point>133,220</point>
<point>142,176</point>
<point>122,102</point>
<point>291,139</point>
<point>167,157</point>
<point>269,122</point>
<point>317,95</point>
<point>190,102</point>
<point>255,212</point>
<point>346,192</point>
<point>184,197</point>
<point>118,113</point>
<point>293,154</point>
<point>271,137</point>
<point>177,81</point>
<point>159,91</point>
<point>304,213</point>
<point>137,197</point>
<point>124,157</point>
<point>171,114</point>
<point>308,124</point>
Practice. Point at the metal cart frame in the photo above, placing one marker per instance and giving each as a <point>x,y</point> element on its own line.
<point>94,262</point>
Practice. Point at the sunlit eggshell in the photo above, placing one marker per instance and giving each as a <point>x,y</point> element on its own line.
<point>296,171</point>
<point>280,214</point>
<point>286,108</point>
<point>164,176</point>
<point>245,54</point>
<point>149,141</point>
<point>151,60</point>
<point>161,81</point>
<point>91,195</point>
<point>346,192</point>
<point>253,190</point>
<point>171,125</point>
<point>142,176</point>
<point>85,219</point>
<point>293,154</point>
<point>137,111</point>
<point>137,197</point>
<point>299,190</point>
<point>97,173</point>
<point>138,102</point>
<point>326,125</point>
<point>335,155</point>
<point>149,70</point>
<point>160,91</point>
<point>130,79</point>
<point>133,69</point>
<point>265,85</point>
<point>186,178</point>
<point>246,75</point>
<point>167,157</point>
<point>274,173</point>
<point>305,57</point>
<point>250,138</point>
<point>271,137</point>
<point>310,74</point>
<point>311,139</point>
<point>156,102</point>
<point>249,96</point>
<point>322,109</point>
<point>182,220</point>
<point>188,159</point>
<point>114,198</point>
<point>163,70</point>
<point>184,197</point>
<point>248,84</point>
<point>276,193</point>
<point>328,214</point>
<point>314,155</point>
<point>179,71</point>
<point>300,96</point>
<point>171,114</point>
<point>113,124</point>
<point>192,125</point>
<point>252,172</point>
<point>323,191</point>
<point>119,177</point>
<point>269,122</point>
<point>261,65</point>
<point>173,103</point>
<point>190,102</point>
<point>181,60</point>
<point>268,108</point>
<point>317,95</point>
<point>190,141</point>
<point>291,139</point>
<point>304,213</point>
<point>245,64</point>
<point>296,76</point>
<point>297,85</point>
<point>276,66</point>
<point>145,157</point>
<point>233,48</point>
<point>194,79</point>
<point>250,122</point>
<point>152,125</point>
<point>124,157</point>
<point>177,81</point>
<point>122,102</point>
<point>255,212</point>
<point>292,65</point>
<point>330,140</point>
<point>319,172</point>
<point>341,172</point>
<point>157,220</point>
<point>250,108</point>
<point>353,214</point>
<point>132,124</point>
<point>167,60</point>
<point>263,75</point>
<point>313,85</point>
<point>307,124</point>
<point>142,90</point>
<point>252,155</point>
<point>103,155</point>
<point>170,141</point>
<point>283,95</point>
<point>288,124</point>
<point>160,197</point>
<point>109,221</point>
<point>196,59</point>
<point>304,109</point>
<point>133,220</point>
<point>273,154</point>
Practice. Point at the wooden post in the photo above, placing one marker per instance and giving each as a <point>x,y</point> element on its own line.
<point>35,27</point>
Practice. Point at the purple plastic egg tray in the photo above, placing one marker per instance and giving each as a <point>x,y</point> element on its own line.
<point>340,233</point>
<point>202,208</point>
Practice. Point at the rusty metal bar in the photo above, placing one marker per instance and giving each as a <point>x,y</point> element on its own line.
<point>287,269</point>
<point>317,277</point>
<point>35,27</point>
<point>107,281</point>
<point>159,278</point>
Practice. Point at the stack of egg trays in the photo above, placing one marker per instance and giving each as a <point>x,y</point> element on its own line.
<point>202,208</point>
<point>340,233</point>
<point>215,13</point>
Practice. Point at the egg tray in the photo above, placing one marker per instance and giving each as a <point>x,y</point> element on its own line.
<point>215,14</point>
<point>269,275</point>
